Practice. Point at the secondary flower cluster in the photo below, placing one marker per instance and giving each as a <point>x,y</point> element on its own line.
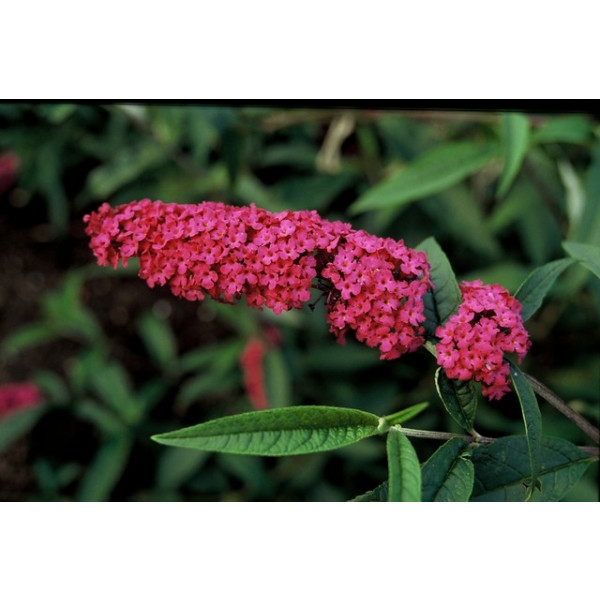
<point>18,396</point>
<point>473,341</point>
<point>375,286</point>
<point>379,287</point>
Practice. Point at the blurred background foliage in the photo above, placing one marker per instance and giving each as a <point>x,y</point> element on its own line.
<point>118,362</point>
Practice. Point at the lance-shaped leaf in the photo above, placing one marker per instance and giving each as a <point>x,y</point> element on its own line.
<point>445,298</point>
<point>448,474</point>
<point>502,470</point>
<point>18,424</point>
<point>532,291</point>
<point>429,174</point>
<point>532,419</point>
<point>459,398</point>
<point>277,432</point>
<point>404,484</point>
<point>515,139</point>
<point>587,254</point>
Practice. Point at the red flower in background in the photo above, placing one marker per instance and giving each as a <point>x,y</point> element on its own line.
<point>9,169</point>
<point>18,396</point>
<point>252,364</point>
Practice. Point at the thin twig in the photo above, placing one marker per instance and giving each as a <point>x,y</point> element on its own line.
<point>443,435</point>
<point>564,408</point>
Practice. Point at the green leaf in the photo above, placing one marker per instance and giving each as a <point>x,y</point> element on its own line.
<point>532,419</point>
<point>502,471</point>
<point>158,339</point>
<point>404,470</point>
<point>277,379</point>
<point>176,466</point>
<point>105,471</point>
<point>433,172</point>
<point>574,129</point>
<point>587,254</point>
<point>127,165</point>
<point>459,398</point>
<point>445,298</point>
<point>515,139</point>
<point>113,386</point>
<point>405,415</point>
<point>33,334</point>
<point>379,494</point>
<point>459,213</point>
<point>278,431</point>
<point>233,142</point>
<point>18,424</point>
<point>448,474</point>
<point>532,291</point>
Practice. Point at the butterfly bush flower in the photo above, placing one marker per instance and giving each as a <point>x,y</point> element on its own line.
<point>374,286</point>
<point>18,396</point>
<point>473,341</point>
<point>379,286</point>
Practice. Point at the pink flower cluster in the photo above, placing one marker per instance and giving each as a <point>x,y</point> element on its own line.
<point>18,396</point>
<point>215,249</point>
<point>473,341</point>
<point>379,287</point>
<point>375,286</point>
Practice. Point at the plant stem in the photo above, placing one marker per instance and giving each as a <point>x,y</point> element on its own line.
<point>479,439</point>
<point>444,435</point>
<point>564,408</point>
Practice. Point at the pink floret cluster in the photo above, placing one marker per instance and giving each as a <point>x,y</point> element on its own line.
<point>15,397</point>
<point>374,286</point>
<point>473,341</point>
<point>379,287</point>
<point>215,249</point>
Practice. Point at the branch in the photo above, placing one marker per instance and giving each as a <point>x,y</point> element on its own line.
<point>478,439</point>
<point>564,408</point>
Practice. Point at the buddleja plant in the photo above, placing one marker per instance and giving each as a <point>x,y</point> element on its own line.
<point>390,297</point>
